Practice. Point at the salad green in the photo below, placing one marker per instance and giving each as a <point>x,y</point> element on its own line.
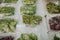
<point>26,19</point>
<point>56,38</point>
<point>8,11</point>
<point>30,19</point>
<point>7,25</point>
<point>28,10</point>
<point>31,36</point>
<point>53,8</point>
<point>29,1</point>
<point>10,1</point>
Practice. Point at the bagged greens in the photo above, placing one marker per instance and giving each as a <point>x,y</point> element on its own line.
<point>28,10</point>
<point>53,7</point>
<point>10,1</point>
<point>8,11</point>
<point>31,36</point>
<point>30,19</point>
<point>7,25</point>
<point>29,1</point>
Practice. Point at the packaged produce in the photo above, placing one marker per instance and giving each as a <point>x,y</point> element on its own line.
<point>28,10</point>
<point>7,25</point>
<point>10,1</point>
<point>7,11</point>
<point>31,36</point>
<point>34,20</point>
<point>54,23</point>
<point>53,8</point>
<point>29,1</point>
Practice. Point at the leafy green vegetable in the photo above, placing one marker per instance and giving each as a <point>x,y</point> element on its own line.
<point>12,24</point>
<point>28,10</point>
<point>24,36</point>
<point>7,25</point>
<point>58,7</point>
<point>8,11</point>
<point>29,1</point>
<point>56,38</point>
<point>34,20</point>
<point>53,8</point>
<point>10,1</point>
<point>26,19</point>
<point>31,36</point>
